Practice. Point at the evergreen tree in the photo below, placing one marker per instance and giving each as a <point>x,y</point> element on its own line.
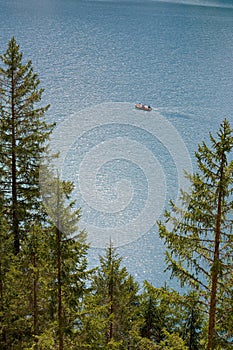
<point>68,259</point>
<point>200,246</point>
<point>24,134</point>
<point>114,304</point>
<point>92,322</point>
<point>43,260</point>
<point>155,312</point>
<point>165,309</point>
<point>193,321</point>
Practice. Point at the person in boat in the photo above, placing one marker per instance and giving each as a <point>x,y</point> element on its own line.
<point>142,106</point>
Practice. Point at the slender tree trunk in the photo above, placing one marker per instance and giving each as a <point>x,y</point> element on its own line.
<point>60,323</point>
<point>215,270</point>
<point>3,267</point>
<point>110,295</point>
<point>59,279</point>
<point>3,333</point>
<point>15,222</point>
<point>35,288</point>
<point>35,295</point>
<point>212,309</point>
<point>149,320</point>
<point>111,306</point>
<point>111,313</point>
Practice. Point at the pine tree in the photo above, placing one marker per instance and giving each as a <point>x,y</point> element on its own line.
<point>24,134</point>
<point>200,246</point>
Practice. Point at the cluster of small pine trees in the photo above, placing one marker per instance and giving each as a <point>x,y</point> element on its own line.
<point>49,299</point>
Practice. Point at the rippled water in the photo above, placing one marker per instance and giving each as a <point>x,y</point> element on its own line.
<point>96,59</point>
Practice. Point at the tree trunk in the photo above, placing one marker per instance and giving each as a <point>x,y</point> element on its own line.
<point>110,297</point>
<point>60,323</point>
<point>15,222</point>
<point>59,279</point>
<point>35,298</point>
<point>215,265</point>
<point>111,306</point>
<point>3,331</point>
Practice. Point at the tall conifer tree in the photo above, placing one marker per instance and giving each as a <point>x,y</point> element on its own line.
<point>68,252</point>
<point>200,245</point>
<point>24,134</point>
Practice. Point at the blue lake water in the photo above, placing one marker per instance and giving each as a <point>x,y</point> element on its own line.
<point>95,59</point>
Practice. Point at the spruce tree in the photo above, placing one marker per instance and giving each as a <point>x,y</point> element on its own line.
<point>45,262</point>
<point>165,309</point>
<point>113,300</point>
<point>191,327</point>
<point>68,258</point>
<point>199,236</point>
<point>24,133</point>
<point>155,310</point>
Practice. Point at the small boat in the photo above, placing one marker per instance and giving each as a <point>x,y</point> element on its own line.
<point>143,107</point>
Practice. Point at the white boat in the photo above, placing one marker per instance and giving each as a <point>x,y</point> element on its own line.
<point>143,107</point>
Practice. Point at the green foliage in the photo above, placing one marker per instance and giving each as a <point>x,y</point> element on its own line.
<point>44,341</point>
<point>171,342</point>
<point>159,309</point>
<point>68,261</point>
<point>24,134</point>
<point>165,309</point>
<point>146,344</point>
<point>199,236</point>
<point>112,304</point>
<point>29,310</point>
